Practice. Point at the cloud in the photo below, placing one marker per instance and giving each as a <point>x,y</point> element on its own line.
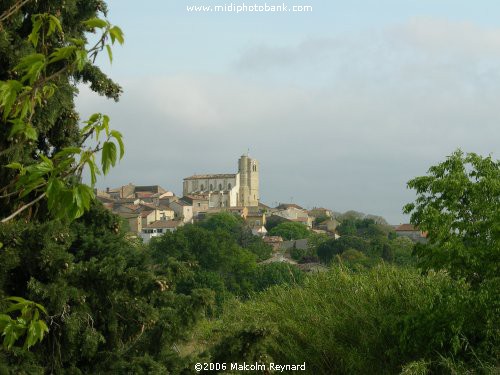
<point>441,36</point>
<point>381,110</point>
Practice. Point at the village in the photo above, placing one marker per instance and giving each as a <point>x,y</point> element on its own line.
<point>152,211</point>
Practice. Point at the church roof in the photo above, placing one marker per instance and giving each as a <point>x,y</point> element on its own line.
<point>205,176</point>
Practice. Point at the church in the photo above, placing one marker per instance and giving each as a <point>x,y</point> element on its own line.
<point>227,190</point>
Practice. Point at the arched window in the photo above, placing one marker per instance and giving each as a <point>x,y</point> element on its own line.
<point>211,187</point>
<point>202,187</point>
<point>228,186</point>
<point>220,186</point>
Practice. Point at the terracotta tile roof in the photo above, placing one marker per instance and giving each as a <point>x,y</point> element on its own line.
<point>164,207</point>
<point>148,205</point>
<point>406,228</point>
<point>198,197</point>
<point>145,213</point>
<point>128,215</point>
<point>132,207</point>
<point>284,206</point>
<point>181,202</point>
<point>164,224</point>
<point>150,189</point>
<point>300,219</point>
<point>105,199</point>
<point>210,176</point>
<point>143,194</point>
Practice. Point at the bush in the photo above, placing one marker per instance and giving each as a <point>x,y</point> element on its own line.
<point>378,321</point>
<point>290,231</point>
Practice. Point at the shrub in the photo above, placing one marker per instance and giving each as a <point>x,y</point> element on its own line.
<point>378,321</point>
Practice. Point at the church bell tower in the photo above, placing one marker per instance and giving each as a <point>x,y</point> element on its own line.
<point>248,169</point>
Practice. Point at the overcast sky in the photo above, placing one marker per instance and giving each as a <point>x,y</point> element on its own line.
<point>341,105</point>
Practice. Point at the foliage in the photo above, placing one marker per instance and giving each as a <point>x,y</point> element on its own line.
<point>211,256</point>
<point>327,251</point>
<point>205,250</point>
<point>271,274</point>
<point>35,163</point>
<point>27,323</point>
<point>274,220</point>
<point>43,54</point>
<point>239,231</point>
<point>318,220</point>
<point>458,205</point>
<point>222,220</point>
<point>290,231</point>
<point>384,320</point>
<point>365,228</point>
<point>112,309</point>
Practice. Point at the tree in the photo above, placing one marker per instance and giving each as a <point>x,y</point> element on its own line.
<point>112,308</point>
<point>43,152</point>
<point>290,231</point>
<point>458,205</point>
<point>273,221</point>
<point>328,250</point>
<point>239,230</point>
<point>44,53</point>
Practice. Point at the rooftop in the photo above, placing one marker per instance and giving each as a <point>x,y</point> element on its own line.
<point>406,228</point>
<point>284,206</point>
<point>210,176</point>
<point>163,224</point>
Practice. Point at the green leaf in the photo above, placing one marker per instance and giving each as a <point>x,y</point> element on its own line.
<point>62,53</point>
<point>118,136</point>
<point>9,91</point>
<point>31,335</point>
<point>110,53</point>
<point>67,151</point>
<point>31,67</point>
<point>15,165</point>
<point>18,126</point>
<point>116,34</point>
<point>94,170</point>
<point>86,195</point>
<point>105,124</point>
<point>80,59</point>
<point>95,22</point>
<point>17,299</point>
<point>15,307</point>
<point>31,133</point>
<point>108,156</point>
<point>54,24</point>
<point>36,19</point>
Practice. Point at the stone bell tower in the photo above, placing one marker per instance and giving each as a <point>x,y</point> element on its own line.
<point>248,169</point>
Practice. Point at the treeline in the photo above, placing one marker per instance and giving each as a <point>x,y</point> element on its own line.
<point>117,306</point>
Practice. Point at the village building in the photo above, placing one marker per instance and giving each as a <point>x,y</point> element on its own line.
<point>158,228</point>
<point>183,210</point>
<point>293,212</point>
<point>412,232</point>
<point>273,241</point>
<point>227,190</point>
<point>320,212</point>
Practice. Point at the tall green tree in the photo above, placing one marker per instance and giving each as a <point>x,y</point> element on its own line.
<point>290,231</point>
<point>44,54</point>
<point>458,205</point>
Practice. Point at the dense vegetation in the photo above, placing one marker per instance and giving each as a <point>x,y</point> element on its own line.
<point>87,299</point>
<point>375,318</point>
<point>382,321</point>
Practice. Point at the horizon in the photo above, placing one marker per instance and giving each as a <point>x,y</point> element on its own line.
<point>341,106</point>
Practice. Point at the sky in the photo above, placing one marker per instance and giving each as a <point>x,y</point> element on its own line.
<point>341,105</point>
